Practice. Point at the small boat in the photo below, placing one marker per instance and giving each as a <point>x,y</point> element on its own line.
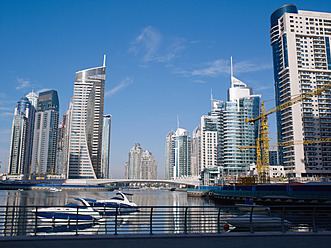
<point>55,189</point>
<point>69,213</point>
<point>258,220</point>
<point>120,201</point>
<point>253,207</point>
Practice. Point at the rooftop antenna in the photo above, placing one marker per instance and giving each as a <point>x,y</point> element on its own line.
<point>211,98</point>
<point>104,60</point>
<point>177,121</point>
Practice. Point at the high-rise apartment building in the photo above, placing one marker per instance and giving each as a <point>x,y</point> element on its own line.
<point>209,141</point>
<point>178,154</point>
<point>300,43</point>
<point>61,154</point>
<point>86,123</point>
<point>169,156</point>
<point>45,133</point>
<point>21,138</point>
<point>148,166</point>
<point>234,130</point>
<point>273,157</point>
<point>105,146</point>
<point>224,129</point>
<point>196,152</point>
<point>141,165</point>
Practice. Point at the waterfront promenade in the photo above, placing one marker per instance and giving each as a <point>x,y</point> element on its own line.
<point>230,240</point>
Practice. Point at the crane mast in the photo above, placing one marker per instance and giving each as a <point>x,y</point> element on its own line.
<point>262,143</point>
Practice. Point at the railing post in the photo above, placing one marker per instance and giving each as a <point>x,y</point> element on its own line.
<point>36,222</point>
<point>77,221</point>
<point>151,221</point>
<point>219,220</point>
<point>116,220</point>
<point>185,221</point>
<point>251,220</point>
<point>283,220</point>
<point>314,220</point>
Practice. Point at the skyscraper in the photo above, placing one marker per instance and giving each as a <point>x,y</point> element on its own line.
<point>105,146</point>
<point>86,123</point>
<point>224,129</point>
<point>61,154</point>
<point>178,154</point>
<point>169,156</point>
<point>300,43</point>
<point>234,130</point>
<point>209,141</point>
<point>21,138</point>
<point>148,166</point>
<point>45,133</point>
<point>134,164</point>
<point>196,152</point>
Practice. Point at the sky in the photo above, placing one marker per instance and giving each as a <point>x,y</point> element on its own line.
<point>163,59</point>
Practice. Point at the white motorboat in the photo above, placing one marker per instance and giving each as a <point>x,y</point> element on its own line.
<point>55,189</point>
<point>253,207</point>
<point>70,213</point>
<point>258,220</point>
<point>120,202</point>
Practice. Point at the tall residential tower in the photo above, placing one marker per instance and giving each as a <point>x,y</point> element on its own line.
<point>21,138</point>
<point>86,124</point>
<point>300,43</point>
<point>45,133</point>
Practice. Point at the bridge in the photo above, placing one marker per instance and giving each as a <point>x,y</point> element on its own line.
<point>177,182</point>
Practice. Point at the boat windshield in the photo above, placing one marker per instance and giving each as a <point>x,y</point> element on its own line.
<point>117,198</point>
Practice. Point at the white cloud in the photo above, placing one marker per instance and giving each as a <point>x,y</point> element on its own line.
<point>41,90</point>
<point>5,108</point>
<point>214,69</point>
<point>221,67</point>
<point>124,83</point>
<point>200,81</point>
<point>147,43</point>
<point>5,114</point>
<point>150,46</point>
<point>22,83</point>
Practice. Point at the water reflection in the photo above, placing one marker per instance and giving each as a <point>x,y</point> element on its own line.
<point>17,219</point>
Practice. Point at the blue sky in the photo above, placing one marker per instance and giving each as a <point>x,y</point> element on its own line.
<point>163,59</point>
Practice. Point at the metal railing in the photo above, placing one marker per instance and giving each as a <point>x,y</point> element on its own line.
<point>27,220</point>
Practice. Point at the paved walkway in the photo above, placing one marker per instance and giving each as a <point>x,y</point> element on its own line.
<point>228,240</point>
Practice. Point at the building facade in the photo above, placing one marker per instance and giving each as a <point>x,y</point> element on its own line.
<point>209,141</point>
<point>21,138</point>
<point>45,134</point>
<point>225,130</point>
<point>61,154</point>
<point>134,164</point>
<point>196,152</point>
<point>178,154</point>
<point>105,160</point>
<point>86,124</point>
<point>148,166</point>
<point>169,156</point>
<point>300,43</point>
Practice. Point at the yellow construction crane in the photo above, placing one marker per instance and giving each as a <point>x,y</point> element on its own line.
<point>262,162</point>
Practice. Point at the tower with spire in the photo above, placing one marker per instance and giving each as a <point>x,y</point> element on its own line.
<point>224,129</point>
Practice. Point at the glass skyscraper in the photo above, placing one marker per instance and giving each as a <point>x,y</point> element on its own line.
<point>86,124</point>
<point>169,156</point>
<point>196,152</point>
<point>45,133</point>
<point>224,129</point>
<point>21,138</point>
<point>300,43</point>
<point>105,146</point>
<point>178,154</point>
